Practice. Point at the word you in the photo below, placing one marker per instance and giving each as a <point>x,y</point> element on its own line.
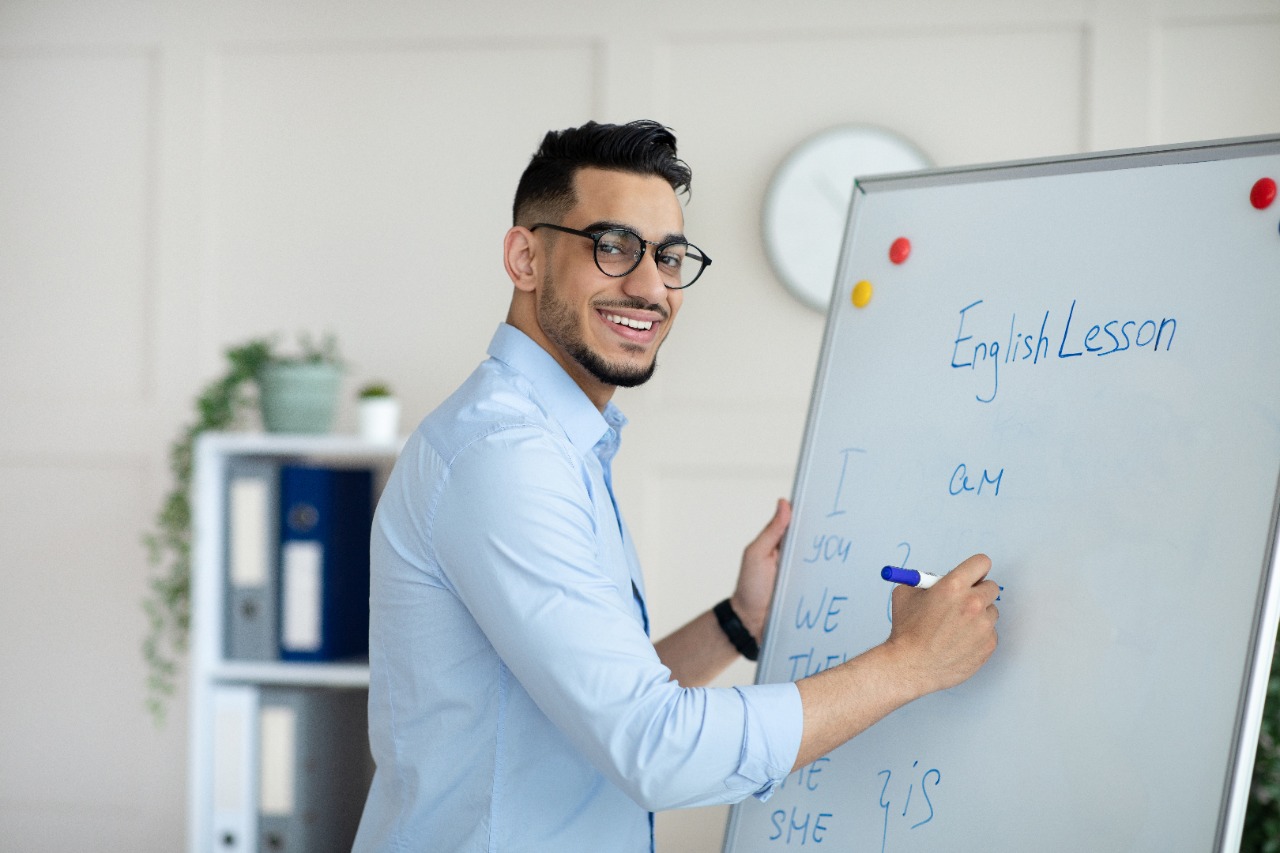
<point>1074,337</point>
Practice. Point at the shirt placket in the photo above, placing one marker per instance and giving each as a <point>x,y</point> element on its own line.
<point>605,449</point>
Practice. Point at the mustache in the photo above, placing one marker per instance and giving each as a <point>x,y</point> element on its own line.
<point>635,304</point>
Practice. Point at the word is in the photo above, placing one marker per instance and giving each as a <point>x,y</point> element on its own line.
<point>930,778</point>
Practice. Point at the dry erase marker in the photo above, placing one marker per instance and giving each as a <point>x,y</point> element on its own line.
<point>909,577</point>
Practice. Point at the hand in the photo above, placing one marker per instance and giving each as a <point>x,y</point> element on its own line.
<point>754,593</point>
<point>946,633</point>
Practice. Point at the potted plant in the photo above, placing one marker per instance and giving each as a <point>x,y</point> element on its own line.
<point>221,405</point>
<point>379,413</point>
<point>300,393</point>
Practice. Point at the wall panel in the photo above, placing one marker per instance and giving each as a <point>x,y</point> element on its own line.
<point>75,179</point>
<point>1218,79</point>
<point>81,757</point>
<point>368,191</point>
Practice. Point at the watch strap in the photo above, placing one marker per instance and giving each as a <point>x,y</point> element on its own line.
<point>736,631</point>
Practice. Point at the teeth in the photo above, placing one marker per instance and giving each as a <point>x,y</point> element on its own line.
<point>643,325</point>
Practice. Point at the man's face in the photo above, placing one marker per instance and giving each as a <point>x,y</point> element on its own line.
<point>606,331</point>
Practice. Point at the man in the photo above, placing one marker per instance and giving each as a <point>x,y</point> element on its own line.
<point>516,701</point>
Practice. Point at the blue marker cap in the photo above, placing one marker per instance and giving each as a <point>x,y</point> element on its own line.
<point>910,577</point>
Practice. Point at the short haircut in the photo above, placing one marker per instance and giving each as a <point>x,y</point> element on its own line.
<point>545,191</point>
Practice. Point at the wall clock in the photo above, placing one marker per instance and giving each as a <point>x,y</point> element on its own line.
<point>807,204</point>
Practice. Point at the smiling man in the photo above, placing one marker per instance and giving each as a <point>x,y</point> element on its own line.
<point>516,701</point>
<point>604,330</point>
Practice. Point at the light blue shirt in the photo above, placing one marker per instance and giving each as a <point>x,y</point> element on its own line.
<point>515,699</point>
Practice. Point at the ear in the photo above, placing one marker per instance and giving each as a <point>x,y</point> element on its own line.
<point>522,254</point>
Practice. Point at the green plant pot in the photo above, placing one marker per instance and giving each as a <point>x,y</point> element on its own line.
<point>299,397</point>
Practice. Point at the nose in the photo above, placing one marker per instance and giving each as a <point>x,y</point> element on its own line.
<point>645,282</point>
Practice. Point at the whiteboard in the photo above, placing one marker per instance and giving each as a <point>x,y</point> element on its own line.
<point>1075,370</point>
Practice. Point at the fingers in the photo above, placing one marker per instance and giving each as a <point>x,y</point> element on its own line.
<point>771,537</point>
<point>781,518</point>
<point>971,572</point>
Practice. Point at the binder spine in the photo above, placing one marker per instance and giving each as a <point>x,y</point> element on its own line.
<point>326,514</point>
<point>252,533</point>
<point>235,745</point>
<point>315,768</point>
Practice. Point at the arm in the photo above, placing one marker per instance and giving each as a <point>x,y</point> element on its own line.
<point>514,540</point>
<point>700,651</point>
<point>940,637</point>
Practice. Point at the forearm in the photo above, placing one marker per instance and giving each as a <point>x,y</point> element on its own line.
<point>701,650</point>
<point>844,701</point>
<point>697,652</point>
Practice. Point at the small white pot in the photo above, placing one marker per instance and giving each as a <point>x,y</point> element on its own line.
<point>380,419</point>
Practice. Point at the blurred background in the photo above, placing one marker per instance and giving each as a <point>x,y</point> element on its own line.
<point>178,176</point>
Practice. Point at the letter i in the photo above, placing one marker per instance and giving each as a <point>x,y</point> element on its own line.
<point>910,788</point>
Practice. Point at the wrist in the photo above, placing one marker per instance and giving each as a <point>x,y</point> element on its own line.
<point>735,630</point>
<point>904,663</point>
<point>753,620</point>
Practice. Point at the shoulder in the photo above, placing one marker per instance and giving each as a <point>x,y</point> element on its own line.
<point>492,438</point>
<point>495,414</point>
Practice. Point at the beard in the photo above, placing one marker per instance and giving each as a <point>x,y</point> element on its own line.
<point>559,322</point>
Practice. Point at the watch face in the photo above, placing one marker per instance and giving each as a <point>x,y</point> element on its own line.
<point>807,204</point>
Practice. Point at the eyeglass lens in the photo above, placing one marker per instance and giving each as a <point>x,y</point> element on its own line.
<point>619,251</point>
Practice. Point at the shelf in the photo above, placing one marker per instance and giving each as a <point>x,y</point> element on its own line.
<point>301,674</point>
<point>225,692</point>
<point>330,445</point>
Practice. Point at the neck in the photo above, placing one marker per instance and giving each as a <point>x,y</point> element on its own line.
<point>599,393</point>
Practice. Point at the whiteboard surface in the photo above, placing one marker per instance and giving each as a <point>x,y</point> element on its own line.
<point>1126,496</point>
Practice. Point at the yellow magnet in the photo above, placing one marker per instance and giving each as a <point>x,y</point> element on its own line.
<point>862,294</point>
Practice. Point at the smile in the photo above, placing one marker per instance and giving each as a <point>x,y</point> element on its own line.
<point>642,325</point>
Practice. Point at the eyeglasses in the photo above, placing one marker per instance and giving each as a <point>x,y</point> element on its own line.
<point>620,250</point>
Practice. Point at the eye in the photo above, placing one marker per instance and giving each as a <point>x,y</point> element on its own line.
<point>618,243</point>
<point>672,257</point>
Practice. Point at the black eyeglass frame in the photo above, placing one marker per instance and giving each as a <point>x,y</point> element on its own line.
<point>594,237</point>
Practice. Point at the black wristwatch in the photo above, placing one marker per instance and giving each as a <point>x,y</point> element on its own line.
<point>736,631</point>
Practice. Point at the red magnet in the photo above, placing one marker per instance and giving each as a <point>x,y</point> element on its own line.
<point>1263,193</point>
<point>901,247</point>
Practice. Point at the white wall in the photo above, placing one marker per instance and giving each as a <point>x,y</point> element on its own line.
<point>178,177</point>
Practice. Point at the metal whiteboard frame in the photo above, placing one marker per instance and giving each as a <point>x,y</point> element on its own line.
<point>1266,617</point>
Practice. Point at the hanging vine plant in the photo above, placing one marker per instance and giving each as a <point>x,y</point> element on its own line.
<point>219,407</point>
<point>168,604</point>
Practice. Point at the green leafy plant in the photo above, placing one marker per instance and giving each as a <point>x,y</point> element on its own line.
<point>373,390</point>
<point>324,351</point>
<point>168,603</point>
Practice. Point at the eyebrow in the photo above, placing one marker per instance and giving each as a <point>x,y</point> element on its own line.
<point>607,224</point>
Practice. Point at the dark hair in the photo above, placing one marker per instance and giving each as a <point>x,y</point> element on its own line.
<point>642,147</point>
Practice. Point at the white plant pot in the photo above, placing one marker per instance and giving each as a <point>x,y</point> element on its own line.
<point>380,419</point>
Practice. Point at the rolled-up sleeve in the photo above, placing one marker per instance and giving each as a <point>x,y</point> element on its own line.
<point>770,736</point>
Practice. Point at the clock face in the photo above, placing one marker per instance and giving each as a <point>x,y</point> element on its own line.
<point>807,204</point>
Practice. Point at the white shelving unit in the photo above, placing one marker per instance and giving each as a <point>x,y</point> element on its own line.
<point>210,667</point>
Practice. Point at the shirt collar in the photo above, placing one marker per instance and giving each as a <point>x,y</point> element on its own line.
<point>583,423</point>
